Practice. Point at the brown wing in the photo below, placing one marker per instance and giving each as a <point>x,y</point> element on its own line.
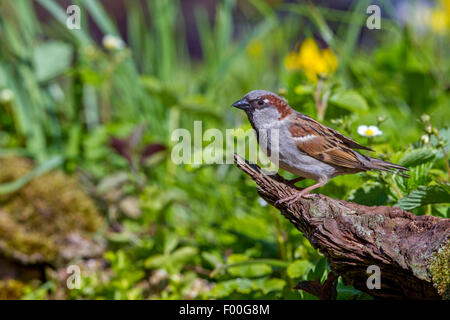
<point>322,143</point>
<point>331,132</point>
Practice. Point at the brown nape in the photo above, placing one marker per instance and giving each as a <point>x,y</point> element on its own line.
<point>283,108</point>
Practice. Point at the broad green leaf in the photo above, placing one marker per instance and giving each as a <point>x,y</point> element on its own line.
<point>172,262</point>
<point>247,262</point>
<point>170,242</point>
<point>255,269</point>
<point>213,259</point>
<point>120,237</point>
<point>299,268</point>
<point>225,288</point>
<point>319,270</point>
<point>61,58</point>
<point>155,261</point>
<point>182,255</point>
<point>349,100</point>
<point>270,285</point>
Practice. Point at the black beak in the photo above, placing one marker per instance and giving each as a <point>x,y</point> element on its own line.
<point>241,104</point>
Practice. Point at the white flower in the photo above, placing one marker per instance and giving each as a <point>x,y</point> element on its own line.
<point>111,42</point>
<point>369,131</point>
<point>6,96</point>
<point>425,139</point>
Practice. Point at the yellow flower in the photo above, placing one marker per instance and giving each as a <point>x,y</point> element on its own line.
<point>330,58</point>
<point>440,17</point>
<point>439,21</point>
<point>312,60</point>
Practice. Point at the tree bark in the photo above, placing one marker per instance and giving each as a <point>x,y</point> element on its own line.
<point>412,252</point>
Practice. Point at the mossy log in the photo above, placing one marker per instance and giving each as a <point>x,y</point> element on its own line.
<point>48,222</point>
<point>412,252</point>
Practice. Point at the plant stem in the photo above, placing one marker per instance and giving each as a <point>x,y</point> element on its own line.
<point>438,137</point>
<point>321,104</point>
<point>280,238</point>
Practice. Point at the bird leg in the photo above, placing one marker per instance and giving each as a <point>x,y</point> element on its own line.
<point>294,181</point>
<point>305,193</point>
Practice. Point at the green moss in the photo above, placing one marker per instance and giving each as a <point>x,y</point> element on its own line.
<point>11,289</point>
<point>36,220</point>
<point>440,270</point>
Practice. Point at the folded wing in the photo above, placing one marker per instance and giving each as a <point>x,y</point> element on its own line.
<point>326,144</point>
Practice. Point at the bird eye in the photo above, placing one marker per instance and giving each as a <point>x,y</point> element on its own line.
<point>260,102</point>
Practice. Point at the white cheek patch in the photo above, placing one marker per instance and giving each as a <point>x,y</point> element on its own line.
<point>266,101</point>
<point>308,137</point>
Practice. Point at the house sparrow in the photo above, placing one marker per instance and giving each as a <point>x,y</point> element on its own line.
<point>306,147</point>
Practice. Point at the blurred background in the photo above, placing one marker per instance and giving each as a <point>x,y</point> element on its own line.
<point>91,205</point>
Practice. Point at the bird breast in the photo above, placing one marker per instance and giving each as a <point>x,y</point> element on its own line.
<point>290,158</point>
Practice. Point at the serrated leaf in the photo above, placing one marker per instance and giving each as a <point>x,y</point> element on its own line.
<point>417,157</point>
<point>349,100</point>
<point>423,196</point>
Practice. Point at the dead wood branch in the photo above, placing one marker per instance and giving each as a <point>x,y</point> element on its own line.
<point>412,252</point>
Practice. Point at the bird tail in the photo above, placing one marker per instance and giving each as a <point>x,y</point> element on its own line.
<point>377,164</point>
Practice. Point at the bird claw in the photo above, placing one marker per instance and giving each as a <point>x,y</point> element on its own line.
<point>294,198</point>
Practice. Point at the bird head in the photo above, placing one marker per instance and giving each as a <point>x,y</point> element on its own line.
<point>259,100</point>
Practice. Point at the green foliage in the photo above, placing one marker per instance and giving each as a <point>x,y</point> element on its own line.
<point>47,69</point>
<point>201,231</point>
<point>349,100</point>
<point>424,196</point>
